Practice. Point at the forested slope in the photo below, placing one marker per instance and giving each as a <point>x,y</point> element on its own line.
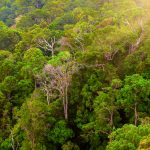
<point>74,74</point>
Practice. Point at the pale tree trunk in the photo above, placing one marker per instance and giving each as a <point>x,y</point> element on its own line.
<point>12,141</point>
<point>33,144</point>
<point>111,119</point>
<point>52,52</point>
<point>60,83</point>
<point>66,95</point>
<point>65,104</point>
<point>48,45</point>
<point>31,137</point>
<point>135,114</point>
<point>136,45</point>
<point>47,97</point>
<point>111,123</point>
<point>65,108</point>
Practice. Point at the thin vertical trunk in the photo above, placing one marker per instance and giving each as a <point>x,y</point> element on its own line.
<point>52,52</point>
<point>111,119</point>
<point>135,114</point>
<point>111,123</point>
<point>32,139</point>
<point>33,144</point>
<point>64,104</point>
<point>66,95</point>
<point>12,141</point>
<point>47,95</point>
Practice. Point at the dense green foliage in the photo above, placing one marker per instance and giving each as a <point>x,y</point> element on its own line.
<point>74,74</point>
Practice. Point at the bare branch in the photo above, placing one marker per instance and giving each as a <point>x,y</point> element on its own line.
<point>48,46</point>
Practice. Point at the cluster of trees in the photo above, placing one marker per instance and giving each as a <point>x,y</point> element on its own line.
<point>74,74</point>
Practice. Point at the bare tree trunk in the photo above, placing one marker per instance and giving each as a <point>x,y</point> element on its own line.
<point>31,137</point>
<point>32,144</point>
<point>60,79</point>
<point>135,46</point>
<point>64,104</point>
<point>12,141</point>
<point>48,45</point>
<point>66,95</point>
<point>65,107</point>
<point>135,114</point>
<point>47,97</point>
<point>111,119</point>
<point>52,52</point>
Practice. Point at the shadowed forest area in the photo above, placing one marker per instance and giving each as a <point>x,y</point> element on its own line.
<point>74,75</point>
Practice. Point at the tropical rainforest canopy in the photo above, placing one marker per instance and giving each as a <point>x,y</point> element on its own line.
<point>74,75</point>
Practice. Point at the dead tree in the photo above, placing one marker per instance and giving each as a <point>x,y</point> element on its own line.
<point>135,45</point>
<point>47,45</point>
<point>136,116</point>
<point>111,54</point>
<point>130,25</point>
<point>14,145</point>
<point>47,90</point>
<point>56,81</point>
<point>60,79</point>
<point>79,44</point>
